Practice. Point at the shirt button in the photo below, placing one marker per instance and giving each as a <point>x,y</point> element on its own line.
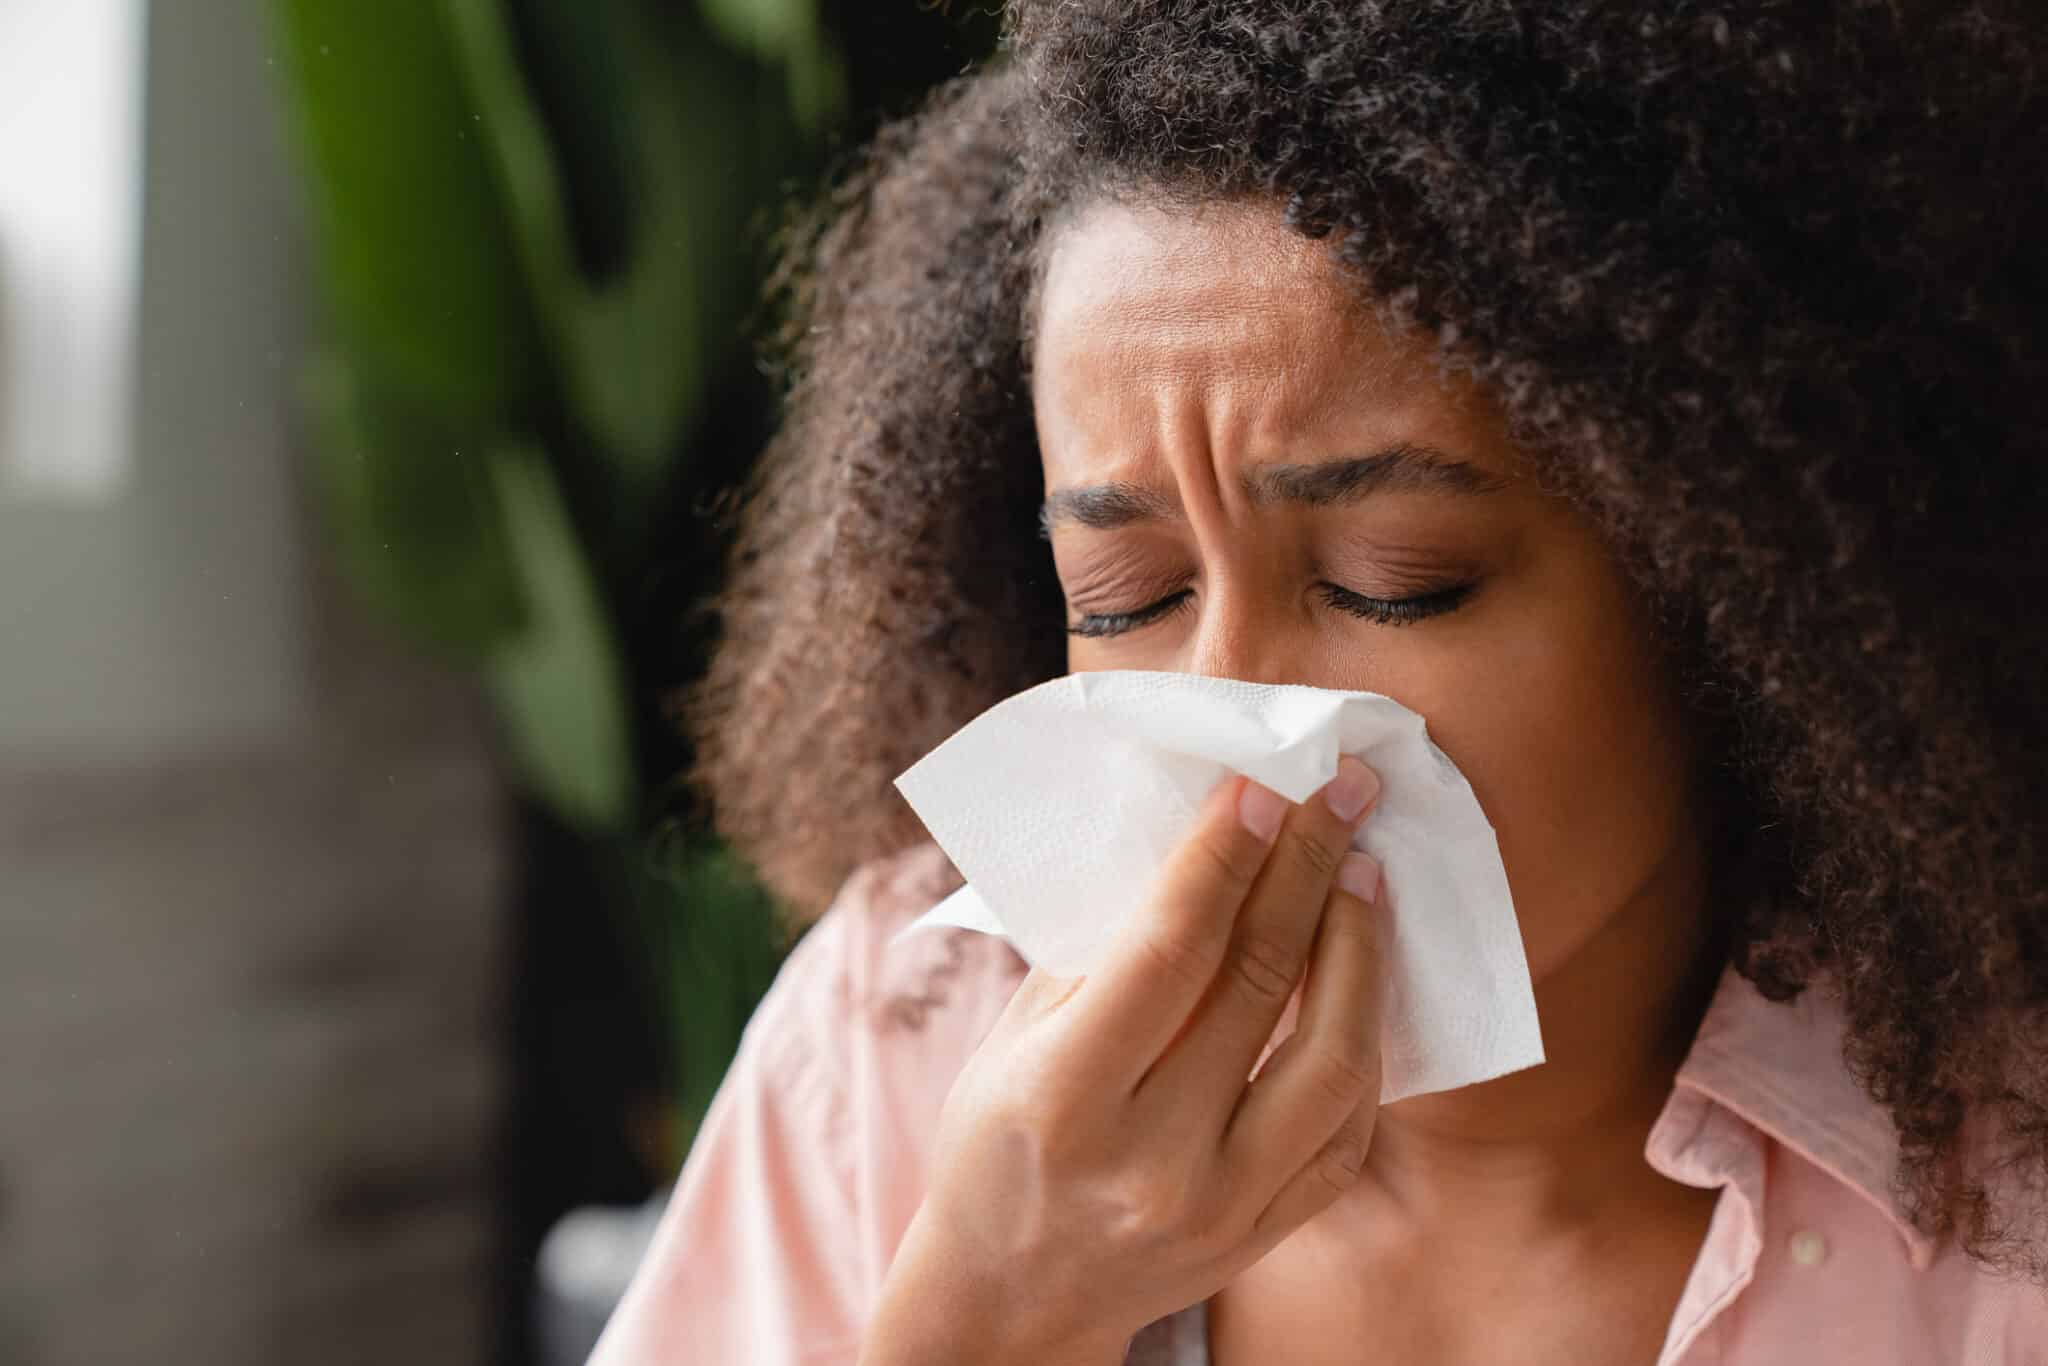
<point>1809,1248</point>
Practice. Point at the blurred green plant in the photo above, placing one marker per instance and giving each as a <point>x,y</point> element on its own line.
<point>539,224</point>
<point>535,222</point>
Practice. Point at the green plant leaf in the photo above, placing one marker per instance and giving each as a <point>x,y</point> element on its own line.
<point>415,251</point>
<point>786,33</point>
<point>682,128</point>
<point>413,511</point>
<point>768,28</point>
<point>560,684</point>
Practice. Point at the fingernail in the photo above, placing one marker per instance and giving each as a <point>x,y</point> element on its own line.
<point>1261,809</point>
<point>1359,874</point>
<point>1352,790</point>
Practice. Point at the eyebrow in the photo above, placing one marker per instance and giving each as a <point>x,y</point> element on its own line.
<point>1405,467</point>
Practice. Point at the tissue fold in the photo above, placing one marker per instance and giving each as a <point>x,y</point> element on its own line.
<point>1058,805</point>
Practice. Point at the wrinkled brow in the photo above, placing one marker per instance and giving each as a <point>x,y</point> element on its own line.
<point>1406,467</point>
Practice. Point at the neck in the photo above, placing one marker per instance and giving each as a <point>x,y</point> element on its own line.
<point>1555,1146</point>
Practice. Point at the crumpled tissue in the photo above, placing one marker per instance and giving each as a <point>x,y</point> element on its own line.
<point>1059,804</point>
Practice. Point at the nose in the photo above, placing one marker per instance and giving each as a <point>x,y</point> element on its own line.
<point>1241,637</point>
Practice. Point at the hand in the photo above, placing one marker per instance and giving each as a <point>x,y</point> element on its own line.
<point>1103,1160</point>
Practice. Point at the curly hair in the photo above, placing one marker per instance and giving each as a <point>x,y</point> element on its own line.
<point>1760,286</point>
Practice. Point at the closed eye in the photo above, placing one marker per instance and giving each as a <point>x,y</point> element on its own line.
<point>1381,611</point>
<point>1398,611</point>
<point>1116,623</point>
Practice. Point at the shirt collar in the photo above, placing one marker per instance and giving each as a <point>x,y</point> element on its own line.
<point>1779,1068</point>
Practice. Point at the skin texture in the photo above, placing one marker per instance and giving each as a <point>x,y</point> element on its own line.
<point>1178,352</point>
<point>1103,1159</point>
<point>1175,351</point>
<point>1756,288</point>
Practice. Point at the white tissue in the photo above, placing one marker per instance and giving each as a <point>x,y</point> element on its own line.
<point>1059,804</point>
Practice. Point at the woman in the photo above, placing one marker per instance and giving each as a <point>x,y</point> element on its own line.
<point>1653,399</point>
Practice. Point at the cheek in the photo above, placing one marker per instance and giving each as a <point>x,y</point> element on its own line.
<point>1568,728</point>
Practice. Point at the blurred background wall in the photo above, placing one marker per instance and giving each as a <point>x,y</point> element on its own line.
<point>254,864</point>
<point>352,930</point>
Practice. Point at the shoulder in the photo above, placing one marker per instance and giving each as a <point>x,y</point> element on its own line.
<point>1832,1256</point>
<point>880,1025</point>
<point>851,977</point>
<point>813,1156</point>
<point>875,1030</point>
<point>1766,1106</point>
<point>851,1052</point>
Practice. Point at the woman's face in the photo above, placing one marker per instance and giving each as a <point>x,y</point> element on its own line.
<point>1246,479</point>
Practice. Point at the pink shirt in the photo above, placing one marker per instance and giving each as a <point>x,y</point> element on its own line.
<point>814,1155</point>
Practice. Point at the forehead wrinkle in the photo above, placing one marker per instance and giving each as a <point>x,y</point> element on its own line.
<point>1259,351</point>
<point>1259,374</point>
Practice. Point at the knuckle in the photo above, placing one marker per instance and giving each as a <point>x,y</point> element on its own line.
<point>1344,1077</point>
<point>1181,957</point>
<point>1151,1206</point>
<point>1031,1094</point>
<point>1219,1233</point>
<point>1023,1108</point>
<point>1349,930</point>
<point>1342,1159</point>
<point>1231,861</point>
<point>1263,970</point>
<point>1315,852</point>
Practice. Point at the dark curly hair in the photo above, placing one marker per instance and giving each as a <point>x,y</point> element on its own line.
<point>1759,285</point>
